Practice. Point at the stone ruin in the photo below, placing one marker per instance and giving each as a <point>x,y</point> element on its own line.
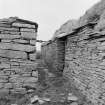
<point>77,51</point>
<point>17,55</point>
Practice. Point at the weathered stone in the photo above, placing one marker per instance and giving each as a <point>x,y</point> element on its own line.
<point>27,30</point>
<point>20,47</point>
<point>30,85</point>
<point>31,80</point>
<point>72,98</point>
<point>23,25</point>
<point>28,35</point>
<point>21,41</point>
<point>35,73</point>
<point>10,32</point>
<point>6,41</point>
<point>13,54</point>
<point>14,63</point>
<point>4,65</point>
<point>18,90</point>
<point>9,29</point>
<point>74,103</point>
<point>8,85</point>
<point>32,56</point>
<point>33,42</point>
<point>1,85</point>
<point>34,99</point>
<point>8,36</point>
<point>4,91</point>
<point>26,74</point>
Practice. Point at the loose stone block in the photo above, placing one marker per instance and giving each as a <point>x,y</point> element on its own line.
<point>13,54</point>
<point>28,35</point>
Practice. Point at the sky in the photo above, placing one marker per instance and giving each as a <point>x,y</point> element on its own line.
<point>49,14</point>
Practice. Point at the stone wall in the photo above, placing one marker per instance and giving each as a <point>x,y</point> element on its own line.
<point>53,53</point>
<point>17,55</point>
<point>85,63</point>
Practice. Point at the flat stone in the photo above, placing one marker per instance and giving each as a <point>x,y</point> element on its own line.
<point>74,103</point>
<point>8,85</point>
<point>10,32</point>
<point>1,85</point>
<point>18,90</point>
<point>4,65</point>
<point>41,101</point>
<point>9,29</point>
<point>35,73</point>
<point>34,99</point>
<point>30,85</point>
<point>13,54</point>
<point>31,80</point>
<point>23,25</point>
<point>20,47</point>
<point>3,80</point>
<point>33,42</point>
<point>21,41</point>
<point>4,91</point>
<point>46,99</point>
<point>14,63</point>
<point>32,56</point>
<point>29,35</point>
<point>8,36</point>
<point>6,41</point>
<point>27,30</point>
<point>72,98</point>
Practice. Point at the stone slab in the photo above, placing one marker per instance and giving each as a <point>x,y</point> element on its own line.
<point>31,80</point>
<point>21,41</point>
<point>8,36</point>
<point>33,42</point>
<point>29,35</point>
<point>23,25</point>
<point>9,29</point>
<point>27,30</point>
<point>19,47</point>
<point>10,32</point>
<point>13,54</point>
<point>32,56</point>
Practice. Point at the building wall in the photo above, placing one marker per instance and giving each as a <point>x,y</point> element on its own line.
<point>85,64</point>
<point>17,56</point>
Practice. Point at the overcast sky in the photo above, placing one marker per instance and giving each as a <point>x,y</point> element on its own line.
<point>49,14</point>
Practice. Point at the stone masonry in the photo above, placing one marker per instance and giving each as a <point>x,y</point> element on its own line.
<point>17,55</point>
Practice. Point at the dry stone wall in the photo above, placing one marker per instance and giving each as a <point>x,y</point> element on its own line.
<point>85,63</point>
<point>17,55</point>
<point>53,53</point>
